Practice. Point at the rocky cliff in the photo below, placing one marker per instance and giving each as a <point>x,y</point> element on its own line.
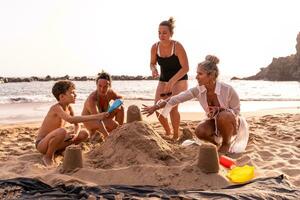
<point>282,68</point>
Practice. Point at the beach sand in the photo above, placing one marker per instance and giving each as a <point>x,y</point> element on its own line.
<point>138,154</point>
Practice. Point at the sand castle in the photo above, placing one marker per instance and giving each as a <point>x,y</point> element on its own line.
<point>72,158</point>
<point>208,160</point>
<point>133,114</point>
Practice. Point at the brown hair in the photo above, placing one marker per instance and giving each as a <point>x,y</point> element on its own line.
<point>210,65</point>
<point>170,24</point>
<point>104,75</point>
<point>61,87</point>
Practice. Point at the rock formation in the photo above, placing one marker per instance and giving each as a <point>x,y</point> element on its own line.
<point>282,68</point>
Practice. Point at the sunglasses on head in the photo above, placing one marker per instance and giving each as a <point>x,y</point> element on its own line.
<point>165,94</point>
<point>104,77</point>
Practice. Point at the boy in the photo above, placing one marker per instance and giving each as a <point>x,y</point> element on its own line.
<point>52,135</point>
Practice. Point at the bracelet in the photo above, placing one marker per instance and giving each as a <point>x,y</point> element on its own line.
<point>157,107</point>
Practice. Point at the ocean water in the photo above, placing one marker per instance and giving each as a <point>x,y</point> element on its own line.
<point>23,102</point>
<point>40,92</point>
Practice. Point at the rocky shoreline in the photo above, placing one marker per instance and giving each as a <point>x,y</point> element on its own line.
<point>281,69</point>
<point>67,77</point>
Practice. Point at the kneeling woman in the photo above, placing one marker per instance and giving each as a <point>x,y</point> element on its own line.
<point>224,126</point>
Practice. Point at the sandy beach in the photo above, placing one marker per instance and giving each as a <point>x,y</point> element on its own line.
<point>137,154</point>
<point>245,57</point>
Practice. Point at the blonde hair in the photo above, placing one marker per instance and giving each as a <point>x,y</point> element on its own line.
<point>170,24</point>
<point>210,65</point>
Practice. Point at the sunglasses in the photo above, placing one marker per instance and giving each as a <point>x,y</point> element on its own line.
<point>165,94</point>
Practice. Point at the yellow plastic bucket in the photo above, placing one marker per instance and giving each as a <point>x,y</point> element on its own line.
<point>241,174</point>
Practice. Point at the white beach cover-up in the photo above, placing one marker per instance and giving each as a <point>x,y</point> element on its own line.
<point>227,98</point>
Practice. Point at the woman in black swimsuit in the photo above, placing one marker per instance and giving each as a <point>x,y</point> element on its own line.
<point>172,58</point>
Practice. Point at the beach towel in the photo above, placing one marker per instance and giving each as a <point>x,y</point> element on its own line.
<point>262,188</point>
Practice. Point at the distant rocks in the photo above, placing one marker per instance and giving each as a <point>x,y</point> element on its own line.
<point>67,77</point>
<point>132,78</point>
<point>281,69</point>
<point>235,78</point>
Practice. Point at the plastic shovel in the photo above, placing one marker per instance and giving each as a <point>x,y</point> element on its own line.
<point>116,104</point>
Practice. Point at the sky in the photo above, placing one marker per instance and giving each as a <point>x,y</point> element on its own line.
<point>83,37</point>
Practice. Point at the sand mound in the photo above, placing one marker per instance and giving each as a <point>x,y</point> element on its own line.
<point>132,144</point>
<point>135,154</point>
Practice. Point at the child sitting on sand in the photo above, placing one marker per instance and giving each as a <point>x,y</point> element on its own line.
<point>52,135</point>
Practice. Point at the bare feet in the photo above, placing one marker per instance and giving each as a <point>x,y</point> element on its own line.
<point>175,138</point>
<point>47,161</point>
<point>186,134</point>
<point>166,137</point>
<point>168,133</point>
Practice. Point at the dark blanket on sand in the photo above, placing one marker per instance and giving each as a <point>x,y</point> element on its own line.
<point>262,188</point>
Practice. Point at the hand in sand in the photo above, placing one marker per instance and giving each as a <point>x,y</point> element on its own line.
<point>47,161</point>
<point>148,110</point>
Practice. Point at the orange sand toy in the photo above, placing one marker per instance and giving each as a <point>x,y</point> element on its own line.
<point>227,162</point>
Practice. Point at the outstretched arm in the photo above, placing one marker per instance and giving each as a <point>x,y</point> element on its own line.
<point>169,103</point>
<point>77,119</point>
<point>149,110</point>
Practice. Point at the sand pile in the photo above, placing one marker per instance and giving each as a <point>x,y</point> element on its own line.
<point>132,144</point>
<point>135,154</point>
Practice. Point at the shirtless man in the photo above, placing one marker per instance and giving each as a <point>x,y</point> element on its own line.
<point>52,135</point>
<point>98,102</point>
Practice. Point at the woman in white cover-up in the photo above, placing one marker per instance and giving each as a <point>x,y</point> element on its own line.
<point>224,126</point>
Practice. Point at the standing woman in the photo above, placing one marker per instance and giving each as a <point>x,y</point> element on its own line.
<point>223,126</point>
<point>172,58</point>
